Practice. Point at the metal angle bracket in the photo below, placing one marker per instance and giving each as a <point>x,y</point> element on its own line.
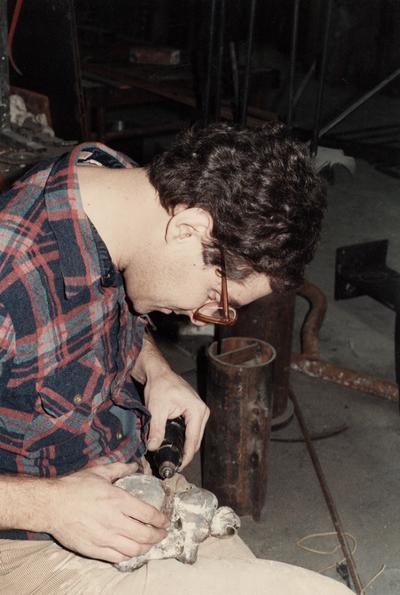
<point>361,270</point>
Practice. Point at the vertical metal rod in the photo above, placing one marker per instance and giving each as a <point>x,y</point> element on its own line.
<point>328,497</point>
<point>235,80</point>
<point>206,104</point>
<point>220,56</point>
<point>321,86</point>
<point>292,65</point>
<point>246,81</point>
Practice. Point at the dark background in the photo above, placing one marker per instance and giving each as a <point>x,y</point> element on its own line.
<point>56,40</point>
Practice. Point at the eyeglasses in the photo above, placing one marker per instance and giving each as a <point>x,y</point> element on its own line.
<point>223,313</point>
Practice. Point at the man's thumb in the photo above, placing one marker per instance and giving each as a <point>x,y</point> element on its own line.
<point>154,441</point>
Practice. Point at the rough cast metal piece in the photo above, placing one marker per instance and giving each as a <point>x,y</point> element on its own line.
<point>194,515</point>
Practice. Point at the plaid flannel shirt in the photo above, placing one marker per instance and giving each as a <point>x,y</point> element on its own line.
<point>67,338</point>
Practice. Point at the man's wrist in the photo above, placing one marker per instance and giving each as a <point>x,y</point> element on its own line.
<point>28,502</point>
<point>150,361</point>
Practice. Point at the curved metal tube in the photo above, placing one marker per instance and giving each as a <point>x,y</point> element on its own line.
<point>313,320</point>
<point>310,363</point>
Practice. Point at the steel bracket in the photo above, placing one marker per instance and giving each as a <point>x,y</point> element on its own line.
<point>361,270</point>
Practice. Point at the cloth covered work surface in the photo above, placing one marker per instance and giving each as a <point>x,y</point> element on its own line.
<point>224,567</point>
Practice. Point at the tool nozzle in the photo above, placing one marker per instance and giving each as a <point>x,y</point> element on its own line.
<point>167,470</point>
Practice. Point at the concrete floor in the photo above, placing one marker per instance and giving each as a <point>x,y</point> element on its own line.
<point>361,464</point>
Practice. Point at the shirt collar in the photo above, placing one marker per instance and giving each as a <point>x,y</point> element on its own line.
<point>80,260</point>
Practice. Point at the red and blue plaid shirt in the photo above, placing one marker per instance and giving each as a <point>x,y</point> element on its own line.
<point>67,338</point>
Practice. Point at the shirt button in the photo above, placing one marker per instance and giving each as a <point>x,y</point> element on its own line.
<point>77,399</point>
<point>119,435</point>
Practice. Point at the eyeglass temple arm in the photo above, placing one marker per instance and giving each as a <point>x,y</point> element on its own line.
<point>224,296</point>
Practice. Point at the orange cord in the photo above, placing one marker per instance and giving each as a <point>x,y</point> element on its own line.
<point>11,33</point>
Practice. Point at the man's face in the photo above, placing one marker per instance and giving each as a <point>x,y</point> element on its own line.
<point>187,283</point>
<point>170,274</point>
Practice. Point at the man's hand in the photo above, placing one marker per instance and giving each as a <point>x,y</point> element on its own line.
<point>91,516</point>
<point>168,396</point>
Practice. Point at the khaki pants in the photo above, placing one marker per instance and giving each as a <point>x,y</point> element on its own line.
<point>224,567</point>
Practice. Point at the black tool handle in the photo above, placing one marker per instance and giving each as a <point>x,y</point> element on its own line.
<point>167,459</point>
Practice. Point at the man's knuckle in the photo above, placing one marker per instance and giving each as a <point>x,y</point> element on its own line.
<point>151,515</point>
<point>148,535</point>
<point>136,542</point>
<point>141,511</point>
<point>156,535</point>
<point>135,549</point>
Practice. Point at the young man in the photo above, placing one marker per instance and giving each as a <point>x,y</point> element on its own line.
<point>89,244</point>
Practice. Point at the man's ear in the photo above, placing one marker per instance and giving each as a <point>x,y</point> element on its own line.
<point>187,223</point>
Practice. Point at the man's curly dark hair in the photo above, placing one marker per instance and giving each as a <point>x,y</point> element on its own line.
<point>259,186</point>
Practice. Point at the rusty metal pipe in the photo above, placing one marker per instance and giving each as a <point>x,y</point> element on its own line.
<point>235,446</point>
<point>365,383</point>
<point>337,523</point>
<point>314,319</point>
<point>310,363</point>
<point>269,318</point>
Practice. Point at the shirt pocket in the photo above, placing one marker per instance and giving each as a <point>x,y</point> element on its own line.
<point>66,401</point>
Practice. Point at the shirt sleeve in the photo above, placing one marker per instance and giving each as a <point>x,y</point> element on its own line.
<point>7,341</point>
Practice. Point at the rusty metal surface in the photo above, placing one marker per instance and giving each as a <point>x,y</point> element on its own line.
<point>270,319</point>
<point>310,363</point>
<point>235,445</point>
<point>365,383</point>
<point>314,319</point>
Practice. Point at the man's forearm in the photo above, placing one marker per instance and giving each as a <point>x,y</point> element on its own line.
<point>24,502</point>
<point>84,512</point>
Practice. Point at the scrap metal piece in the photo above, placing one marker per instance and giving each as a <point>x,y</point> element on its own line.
<point>310,362</point>
<point>317,368</point>
<point>361,270</point>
